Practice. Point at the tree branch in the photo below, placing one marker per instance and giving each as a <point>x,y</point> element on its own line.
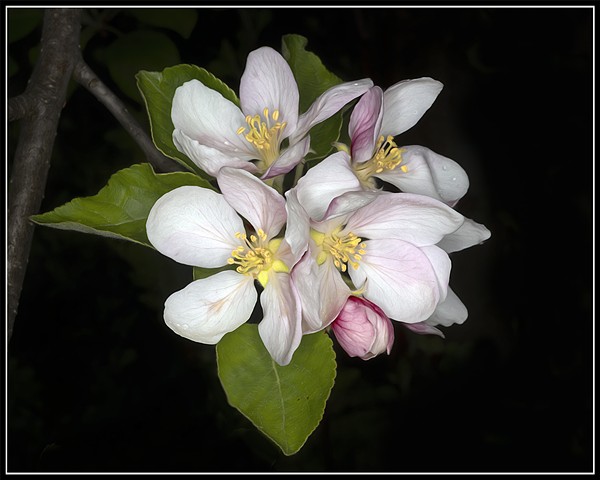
<point>39,108</point>
<point>85,76</point>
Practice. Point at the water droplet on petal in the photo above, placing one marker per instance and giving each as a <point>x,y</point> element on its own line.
<point>454,179</point>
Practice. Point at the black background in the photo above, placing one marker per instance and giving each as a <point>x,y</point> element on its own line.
<point>96,382</point>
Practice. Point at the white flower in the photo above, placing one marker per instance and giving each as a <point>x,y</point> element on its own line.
<point>199,227</point>
<point>385,242</point>
<point>213,132</point>
<point>376,119</point>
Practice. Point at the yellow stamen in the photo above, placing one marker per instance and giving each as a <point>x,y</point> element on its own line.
<point>264,135</point>
<point>387,158</point>
<point>344,250</point>
<point>257,257</point>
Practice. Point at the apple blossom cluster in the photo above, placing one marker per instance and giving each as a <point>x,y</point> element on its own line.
<point>335,250</point>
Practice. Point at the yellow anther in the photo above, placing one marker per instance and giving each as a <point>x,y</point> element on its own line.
<point>264,135</point>
<point>344,250</point>
<point>257,258</point>
<point>387,157</point>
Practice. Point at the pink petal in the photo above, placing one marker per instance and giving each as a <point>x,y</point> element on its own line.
<point>329,103</point>
<point>399,279</point>
<point>258,203</point>
<point>365,124</point>
<point>414,218</point>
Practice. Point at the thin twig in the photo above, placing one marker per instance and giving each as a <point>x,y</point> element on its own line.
<point>45,97</point>
<point>85,76</point>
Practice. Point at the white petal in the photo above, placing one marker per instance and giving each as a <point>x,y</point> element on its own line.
<point>288,159</point>
<point>268,82</point>
<point>322,292</point>
<point>329,103</point>
<point>209,308</point>
<point>194,226</point>
<point>210,159</point>
<point>423,328</point>
<point>258,203</point>
<point>365,124</point>
<point>280,329</point>
<point>429,174</point>
<point>297,230</point>
<point>399,279</point>
<point>440,261</point>
<point>349,202</point>
<point>449,312</point>
<point>414,218</point>
<point>470,233</point>
<point>204,115</point>
<point>406,102</point>
<point>325,181</point>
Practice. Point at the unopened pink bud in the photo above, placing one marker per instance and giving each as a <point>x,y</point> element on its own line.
<point>362,329</point>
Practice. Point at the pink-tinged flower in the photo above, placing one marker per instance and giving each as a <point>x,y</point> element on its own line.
<point>376,119</point>
<point>199,227</point>
<point>362,329</point>
<point>386,243</point>
<point>213,132</point>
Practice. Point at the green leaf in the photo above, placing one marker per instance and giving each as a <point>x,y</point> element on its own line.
<point>135,51</point>
<point>121,208</point>
<point>158,89</point>
<point>180,20</point>
<point>313,79</point>
<point>284,403</point>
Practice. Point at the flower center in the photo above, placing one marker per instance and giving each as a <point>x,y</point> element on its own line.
<point>257,257</point>
<point>345,249</point>
<point>264,133</point>
<point>387,157</point>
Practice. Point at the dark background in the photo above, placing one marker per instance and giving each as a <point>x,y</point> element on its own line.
<point>96,381</point>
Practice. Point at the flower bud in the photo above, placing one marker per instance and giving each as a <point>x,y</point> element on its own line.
<point>362,329</point>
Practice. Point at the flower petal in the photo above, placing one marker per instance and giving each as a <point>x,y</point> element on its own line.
<point>209,308</point>
<point>194,226</point>
<point>258,203</point>
<point>210,159</point>
<point>322,292</point>
<point>422,328</point>
<point>399,279</point>
<point>329,103</point>
<point>449,312</point>
<point>347,203</point>
<point>414,218</point>
<point>470,233</point>
<point>297,230</point>
<point>429,173</point>
<point>288,159</point>
<point>280,329</point>
<point>440,261</point>
<point>268,82</point>
<point>365,124</point>
<point>204,115</point>
<point>325,181</point>
<point>406,102</point>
